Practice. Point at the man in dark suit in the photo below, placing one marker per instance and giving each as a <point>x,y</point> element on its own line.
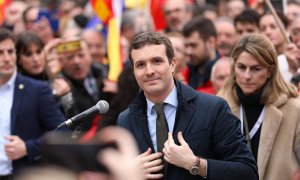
<point>204,139</point>
<point>27,111</point>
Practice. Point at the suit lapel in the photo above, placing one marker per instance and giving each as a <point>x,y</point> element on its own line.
<point>183,118</point>
<point>185,110</point>
<point>139,113</point>
<point>142,122</point>
<point>17,101</point>
<point>270,126</point>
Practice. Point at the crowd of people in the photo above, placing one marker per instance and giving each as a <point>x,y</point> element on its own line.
<point>215,94</point>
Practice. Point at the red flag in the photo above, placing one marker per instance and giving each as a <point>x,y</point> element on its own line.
<point>157,12</point>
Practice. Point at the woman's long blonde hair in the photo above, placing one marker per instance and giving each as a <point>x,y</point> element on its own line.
<point>262,49</point>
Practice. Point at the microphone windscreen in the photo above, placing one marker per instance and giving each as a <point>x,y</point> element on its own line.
<point>102,106</point>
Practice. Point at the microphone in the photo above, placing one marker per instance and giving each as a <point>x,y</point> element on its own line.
<point>101,107</point>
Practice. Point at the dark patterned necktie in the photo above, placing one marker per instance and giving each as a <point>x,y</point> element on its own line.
<point>161,127</point>
<point>161,132</point>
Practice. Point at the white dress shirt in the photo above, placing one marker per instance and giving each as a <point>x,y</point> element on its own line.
<point>171,103</point>
<point>6,101</point>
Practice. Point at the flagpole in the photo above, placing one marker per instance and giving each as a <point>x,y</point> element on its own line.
<point>278,21</point>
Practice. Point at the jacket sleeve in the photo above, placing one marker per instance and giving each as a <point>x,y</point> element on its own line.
<point>122,119</point>
<point>49,116</point>
<point>229,144</point>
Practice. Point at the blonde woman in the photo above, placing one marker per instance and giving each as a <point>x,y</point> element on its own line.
<point>267,106</point>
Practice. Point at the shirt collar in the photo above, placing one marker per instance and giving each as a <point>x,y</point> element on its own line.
<point>11,82</point>
<point>170,100</point>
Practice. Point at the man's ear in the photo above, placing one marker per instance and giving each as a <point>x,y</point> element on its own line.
<point>211,42</point>
<point>173,64</point>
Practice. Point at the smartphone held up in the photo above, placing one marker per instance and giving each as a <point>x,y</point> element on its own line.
<point>70,154</point>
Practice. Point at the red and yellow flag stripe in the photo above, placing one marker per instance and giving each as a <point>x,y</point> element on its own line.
<point>105,10</point>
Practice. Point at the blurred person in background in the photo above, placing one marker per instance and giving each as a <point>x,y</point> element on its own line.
<point>86,80</point>
<point>226,35</point>
<point>210,12</point>
<point>234,8</point>
<point>30,56</point>
<point>32,62</point>
<point>200,47</point>
<point>220,73</point>
<point>67,10</point>
<point>295,31</point>
<point>133,22</point>
<point>97,47</point>
<point>39,25</point>
<point>96,43</point>
<point>295,35</point>
<point>246,22</point>
<point>178,43</point>
<point>293,11</point>
<point>221,8</point>
<point>269,28</point>
<point>177,14</point>
<point>288,64</point>
<point>267,105</point>
<point>13,16</point>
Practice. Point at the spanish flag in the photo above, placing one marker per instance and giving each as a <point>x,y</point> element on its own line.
<point>109,12</point>
<point>3,6</point>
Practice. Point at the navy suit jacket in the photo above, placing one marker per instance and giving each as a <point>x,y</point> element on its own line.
<point>34,112</point>
<point>208,126</point>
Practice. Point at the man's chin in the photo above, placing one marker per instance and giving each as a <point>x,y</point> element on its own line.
<point>79,77</point>
<point>225,51</point>
<point>153,91</point>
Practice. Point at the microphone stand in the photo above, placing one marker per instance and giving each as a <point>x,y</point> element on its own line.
<point>75,133</point>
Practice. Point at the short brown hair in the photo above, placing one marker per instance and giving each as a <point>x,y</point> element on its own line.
<point>203,26</point>
<point>6,34</point>
<point>151,38</point>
